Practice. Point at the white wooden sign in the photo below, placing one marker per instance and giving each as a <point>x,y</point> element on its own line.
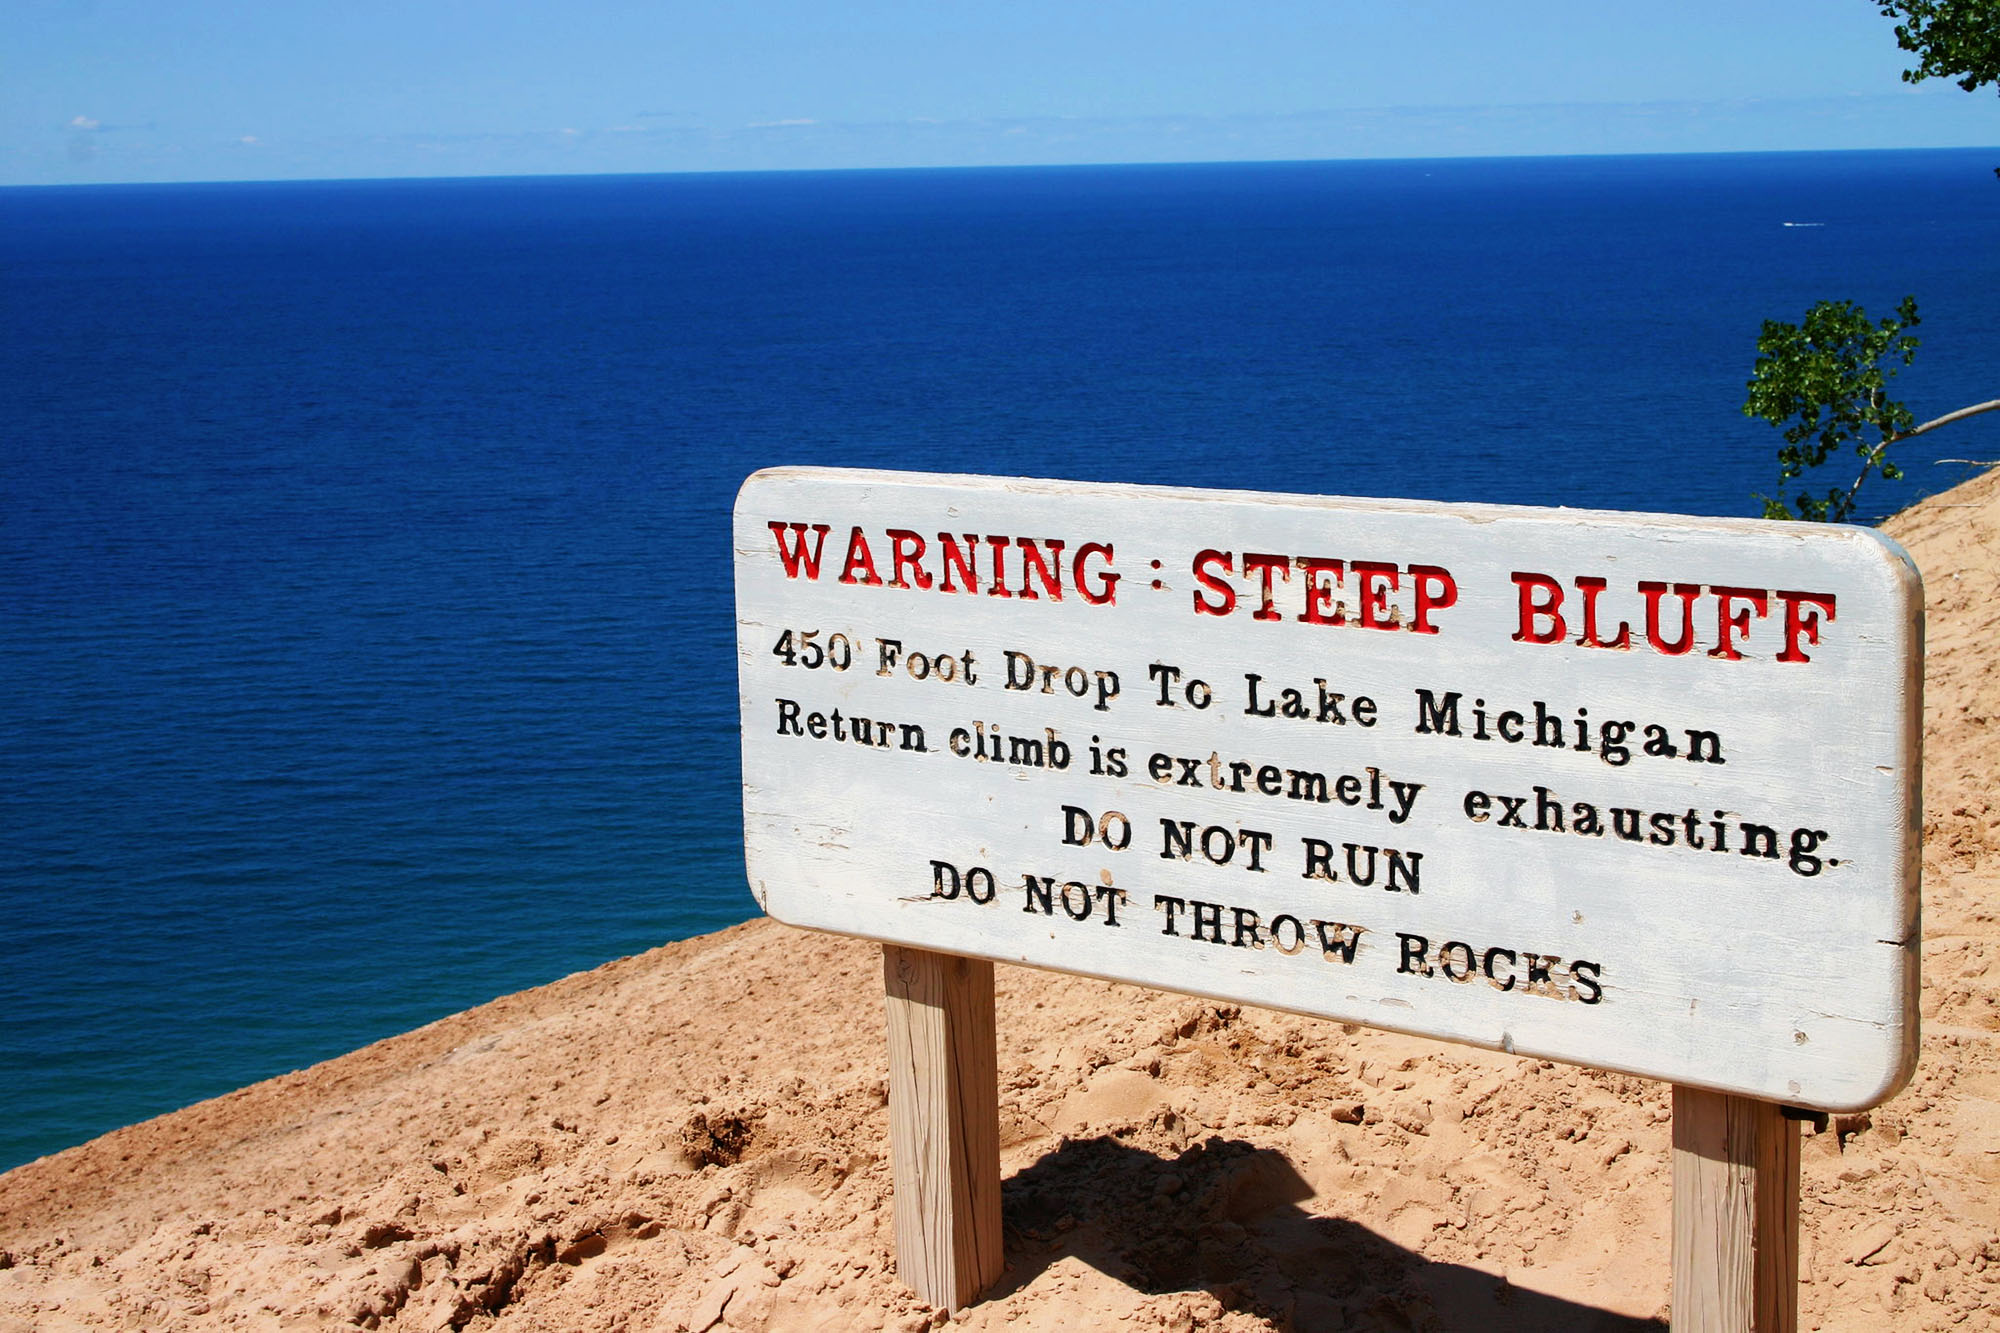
<point>1631,791</point>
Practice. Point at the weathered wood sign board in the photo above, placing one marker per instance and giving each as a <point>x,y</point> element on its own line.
<point>1634,792</point>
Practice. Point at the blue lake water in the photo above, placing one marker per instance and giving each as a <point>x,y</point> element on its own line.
<point>365,606</point>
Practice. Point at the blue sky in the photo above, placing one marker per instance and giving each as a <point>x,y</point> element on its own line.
<point>112,90</point>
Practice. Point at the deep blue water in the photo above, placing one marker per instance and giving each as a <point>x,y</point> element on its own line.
<point>364,589</point>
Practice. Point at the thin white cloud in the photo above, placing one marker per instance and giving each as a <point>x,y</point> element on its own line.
<point>780,124</point>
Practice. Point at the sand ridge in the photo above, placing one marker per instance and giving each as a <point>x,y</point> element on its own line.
<point>696,1139</point>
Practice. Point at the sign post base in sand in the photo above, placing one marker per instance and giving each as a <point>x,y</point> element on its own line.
<point>944,1123</point>
<point>1736,1215</point>
<point>1735,1164</point>
<point>1636,792</point>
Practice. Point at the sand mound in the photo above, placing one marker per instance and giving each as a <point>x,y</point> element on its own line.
<point>694,1139</point>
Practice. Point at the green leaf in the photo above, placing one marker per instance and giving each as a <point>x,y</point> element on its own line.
<point>1950,38</point>
<point>1823,382</point>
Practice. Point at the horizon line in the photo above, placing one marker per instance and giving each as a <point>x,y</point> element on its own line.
<point>999,167</point>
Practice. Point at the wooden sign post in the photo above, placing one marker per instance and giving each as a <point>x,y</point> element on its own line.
<point>1635,792</point>
<point>1736,1214</point>
<point>944,1116</point>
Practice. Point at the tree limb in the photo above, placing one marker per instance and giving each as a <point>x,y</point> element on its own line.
<point>1990,405</point>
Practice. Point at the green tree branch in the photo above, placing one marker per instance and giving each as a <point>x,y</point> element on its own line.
<point>1824,382</point>
<point>1950,38</point>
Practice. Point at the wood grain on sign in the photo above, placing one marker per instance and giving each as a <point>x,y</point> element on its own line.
<point>1632,791</point>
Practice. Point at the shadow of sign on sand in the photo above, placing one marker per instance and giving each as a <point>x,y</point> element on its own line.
<point>1223,1217</point>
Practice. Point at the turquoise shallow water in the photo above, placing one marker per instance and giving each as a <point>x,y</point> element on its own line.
<point>365,611</point>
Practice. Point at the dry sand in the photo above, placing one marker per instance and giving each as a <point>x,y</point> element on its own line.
<point>696,1138</point>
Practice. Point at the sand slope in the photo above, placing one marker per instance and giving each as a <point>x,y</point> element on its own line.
<point>696,1138</point>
